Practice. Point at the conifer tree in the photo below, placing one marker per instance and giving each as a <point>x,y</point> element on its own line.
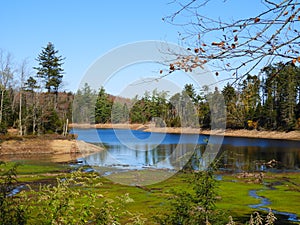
<point>50,68</point>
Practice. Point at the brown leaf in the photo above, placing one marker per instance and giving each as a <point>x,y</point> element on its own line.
<point>196,50</point>
<point>256,20</point>
<point>217,73</point>
<point>298,59</point>
<point>236,38</point>
<point>220,44</point>
<point>202,50</point>
<point>233,46</point>
<point>204,44</point>
<point>235,31</point>
<point>172,67</point>
<point>294,61</point>
<point>160,71</point>
<point>285,13</point>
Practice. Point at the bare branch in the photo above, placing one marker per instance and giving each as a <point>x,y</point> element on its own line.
<point>240,46</point>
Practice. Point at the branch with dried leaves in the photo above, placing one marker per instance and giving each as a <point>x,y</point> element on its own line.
<point>239,47</point>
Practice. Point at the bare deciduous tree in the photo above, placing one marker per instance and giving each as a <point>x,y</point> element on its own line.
<point>23,73</point>
<point>6,76</point>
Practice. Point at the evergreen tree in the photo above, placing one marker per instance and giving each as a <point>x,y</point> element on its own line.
<point>139,112</point>
<point>50,68</point>
<point>250,99</point>
<point>103,107</point>
<point>231,98</point>
<point>281,88</point>
<point>119,113</point>
<point>83,105</point>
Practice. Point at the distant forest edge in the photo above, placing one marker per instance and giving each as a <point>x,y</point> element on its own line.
<point>35,104</point>
<point>270,103</point>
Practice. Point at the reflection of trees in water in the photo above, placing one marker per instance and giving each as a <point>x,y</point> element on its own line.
<point>176,156</point>
<point>251,158</point>
<point>181,154</point>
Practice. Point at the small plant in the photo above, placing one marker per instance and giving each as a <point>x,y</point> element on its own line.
<point>12,212</point>
<point>257,219</point>
<point>71,201</point>
<point>196,206</point>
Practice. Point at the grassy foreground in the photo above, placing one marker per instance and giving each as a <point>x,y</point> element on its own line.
<point>150,201</point>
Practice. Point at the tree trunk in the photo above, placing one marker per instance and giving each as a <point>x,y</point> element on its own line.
<point>1,105</point>
<point>20,114</point>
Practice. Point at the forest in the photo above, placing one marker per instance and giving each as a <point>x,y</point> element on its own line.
<point>271,102</point>
<point>35,104</point>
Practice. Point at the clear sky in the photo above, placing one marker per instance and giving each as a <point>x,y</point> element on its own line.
<point>84,30</point>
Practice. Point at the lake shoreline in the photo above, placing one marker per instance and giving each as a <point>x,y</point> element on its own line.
<point>55,149</point>
<point>280,135</point>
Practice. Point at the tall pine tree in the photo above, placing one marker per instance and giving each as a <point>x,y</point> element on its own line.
<point>50,68</point>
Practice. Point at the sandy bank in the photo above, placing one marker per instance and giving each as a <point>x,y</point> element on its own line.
<point>292,135</point>
<point>57,150</point>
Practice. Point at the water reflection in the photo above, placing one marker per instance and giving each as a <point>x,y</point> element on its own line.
<point>166,156</point>
<point>236,159</point>
<point>236,154</point>
<point>258,158</point>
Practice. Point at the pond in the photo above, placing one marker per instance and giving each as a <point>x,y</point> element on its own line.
<point>134,149</point>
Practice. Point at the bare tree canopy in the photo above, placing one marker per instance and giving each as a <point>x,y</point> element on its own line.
<point>238,47</point>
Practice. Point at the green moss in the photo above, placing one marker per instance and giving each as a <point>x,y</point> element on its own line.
<point>29,172</point>
<point>235,197</point>
<point>34,168</point>
<point>285,192</point>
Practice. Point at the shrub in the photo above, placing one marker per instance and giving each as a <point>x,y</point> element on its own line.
<point>12,211</point>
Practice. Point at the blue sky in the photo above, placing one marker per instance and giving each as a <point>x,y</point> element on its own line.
<point>83,31</point>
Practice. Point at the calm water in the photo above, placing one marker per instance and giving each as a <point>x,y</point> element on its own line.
<point>137,150</point>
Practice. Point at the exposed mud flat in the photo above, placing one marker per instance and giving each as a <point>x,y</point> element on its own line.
<point>57,150</point>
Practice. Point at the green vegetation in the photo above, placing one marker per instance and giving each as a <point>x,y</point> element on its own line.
<point>271,102</point>
<point>12,210</point>
<point>268,100</point>
<point>105,202</point>
<point>34,168</point>
<point>50,68</point>
<point>283,185</point>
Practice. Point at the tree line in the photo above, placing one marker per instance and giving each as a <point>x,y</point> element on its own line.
<point>270,101</point>
<point>34,104</point>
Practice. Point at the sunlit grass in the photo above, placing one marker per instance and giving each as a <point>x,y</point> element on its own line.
<point>153,200</point>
